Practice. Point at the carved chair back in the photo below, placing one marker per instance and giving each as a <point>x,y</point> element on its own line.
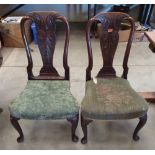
<point>110,23</point>
<point>46,30</point>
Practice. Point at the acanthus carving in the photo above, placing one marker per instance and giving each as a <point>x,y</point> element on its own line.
<point>109,37</point>
<point>46,36</point>
<point>46,29</point>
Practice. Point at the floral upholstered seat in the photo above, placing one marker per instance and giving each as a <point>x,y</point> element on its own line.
<point>112,99</point>
<point>43,99</point>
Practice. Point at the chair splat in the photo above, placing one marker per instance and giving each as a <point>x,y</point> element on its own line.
<point>46,29</point>
<point>109,37</point>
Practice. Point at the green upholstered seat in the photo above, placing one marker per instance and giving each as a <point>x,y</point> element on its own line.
<point>43,99</point>
<point>112,99</point>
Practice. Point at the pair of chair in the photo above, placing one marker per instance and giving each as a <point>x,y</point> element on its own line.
<point>48,95</point>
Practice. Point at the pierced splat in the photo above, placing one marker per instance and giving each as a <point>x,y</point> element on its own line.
<point>109,38</point>
<point>46,29</point>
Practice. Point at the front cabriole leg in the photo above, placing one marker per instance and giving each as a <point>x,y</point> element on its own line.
<point>74,122</point>
<point>141,123</point>
<point>84,123</point>
<point>14,122</point>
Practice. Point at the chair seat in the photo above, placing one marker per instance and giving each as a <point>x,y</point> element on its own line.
<point>42,99</point>
<point>112,99</point>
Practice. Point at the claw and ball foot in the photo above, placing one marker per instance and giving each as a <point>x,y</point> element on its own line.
<point>74,122</point>
<point>14,122</point>
<point>142,121</point>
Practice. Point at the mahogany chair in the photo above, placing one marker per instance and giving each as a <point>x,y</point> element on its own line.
<point>48,95</point>
<point>110,97</point>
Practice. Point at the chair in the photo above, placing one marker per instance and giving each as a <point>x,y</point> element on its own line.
<point>48,95</point>
<point>110,97</point>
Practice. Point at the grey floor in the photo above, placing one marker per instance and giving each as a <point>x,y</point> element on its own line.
<point>56,134</point>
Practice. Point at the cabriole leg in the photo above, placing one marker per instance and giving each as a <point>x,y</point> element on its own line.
<point>142,121</point>
<point>84,123</point>
<point>74,122</point>
<point>14,122</point>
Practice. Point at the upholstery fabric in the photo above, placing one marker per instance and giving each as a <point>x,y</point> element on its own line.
<point>42,99</point>
<point>112,98</point>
